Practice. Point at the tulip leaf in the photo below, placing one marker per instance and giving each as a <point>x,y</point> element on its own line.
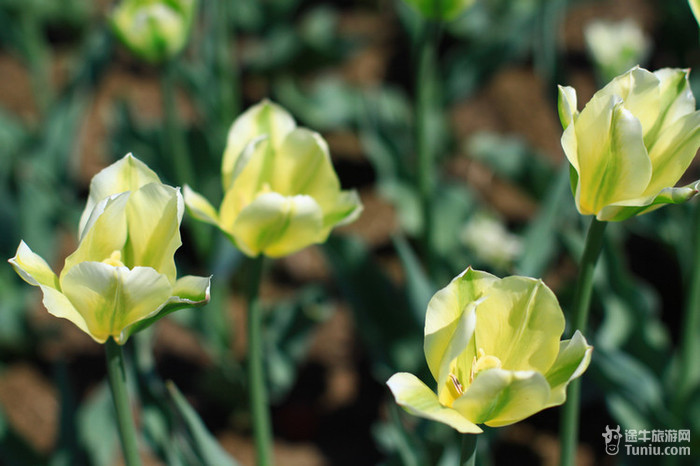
<point>207,449</point>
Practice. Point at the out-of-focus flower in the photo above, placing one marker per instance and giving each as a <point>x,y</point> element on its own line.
<point>493,347</point>
<point>616,46</point>
<point>490,241</point>
<point>154,30</point>
<point>441,9</point>
<point>631,143</point>
<point>122,276</point>
<point>281,192</point>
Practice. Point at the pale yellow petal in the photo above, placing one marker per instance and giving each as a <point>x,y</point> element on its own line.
<point>416,398</point>
<point>499,397</point>
<point>33,268</point>
<point>126,174</point>
<point>276,225</point>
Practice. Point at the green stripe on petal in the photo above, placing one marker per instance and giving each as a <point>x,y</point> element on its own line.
<point>615,168</point>
<point>499,397</point>
<point>277,225</point>
<point>673,152</point>
<point>127,174</point>
<point>414,396</point>
<point>33,268</point>
<point>666,196</point>
<point>110,299</point>
<point>572,360</point>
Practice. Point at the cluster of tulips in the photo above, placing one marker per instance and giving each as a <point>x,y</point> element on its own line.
<point>493,345</point>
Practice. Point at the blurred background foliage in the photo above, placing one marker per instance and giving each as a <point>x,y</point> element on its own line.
<point>342,317</point>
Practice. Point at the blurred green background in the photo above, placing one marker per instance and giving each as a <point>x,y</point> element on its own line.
<point>343,316</point>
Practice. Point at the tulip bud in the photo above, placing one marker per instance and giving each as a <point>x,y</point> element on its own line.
<point>493,347</point>
<point>154,30</point>
<point>281,193</point>
<point>631,143</point>
<point>122,276</point>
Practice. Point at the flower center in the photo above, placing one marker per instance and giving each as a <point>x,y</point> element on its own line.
<point>483,361</point>
<point>115,259</point>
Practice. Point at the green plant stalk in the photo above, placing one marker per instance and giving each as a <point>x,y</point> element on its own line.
<point>257,390</point>
<point>227,74</point>
<point>689,347</point>
<point>468,451</point>
<point>38,59</point>
<point>117,383</point>
<point>425,82</point>
<point>175,142</point>
<point>582,302</point>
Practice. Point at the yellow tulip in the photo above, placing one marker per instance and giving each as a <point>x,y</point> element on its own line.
<point>631,143</point>
<point>493,347</point>
<point>122,276</point>
<point>154,30</point>
<point>281,193</point>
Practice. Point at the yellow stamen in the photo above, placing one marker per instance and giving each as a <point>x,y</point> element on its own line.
<point>483,362</point>
<point>115,259</point>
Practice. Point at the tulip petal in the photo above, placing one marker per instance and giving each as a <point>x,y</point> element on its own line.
<point>500,397</point>
<point>60,306</point>
<point>277,225</point>
<point>445,310</point>
<point>567,105</point>
<point>615,168</point>
<point>572,360</point>
<point>347,209</point>
<point>458,356</point>
<point>303,166</point>
<point>666,196</point>
<point>673,152</point>
<point>419,400</point>
<point>33,268</point>
<point>189,291</point>
<point>110,299</point>
<point>265,118</point>
<point>639,89</point>
<point>153,213</point>
<point>520,322</point>
<point>106,233</point>
<point>676,100</point>
<point>199,206</point>
<point>127,174</point>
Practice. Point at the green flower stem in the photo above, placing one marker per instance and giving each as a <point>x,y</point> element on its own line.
<point>689,345</point>
<point>425,100</point>
<point>256,374</point>
<point>468,455</point>
<point>117,383</point>
<point>175,142</point>
<point>582,301</point>
<point>227,73</point>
